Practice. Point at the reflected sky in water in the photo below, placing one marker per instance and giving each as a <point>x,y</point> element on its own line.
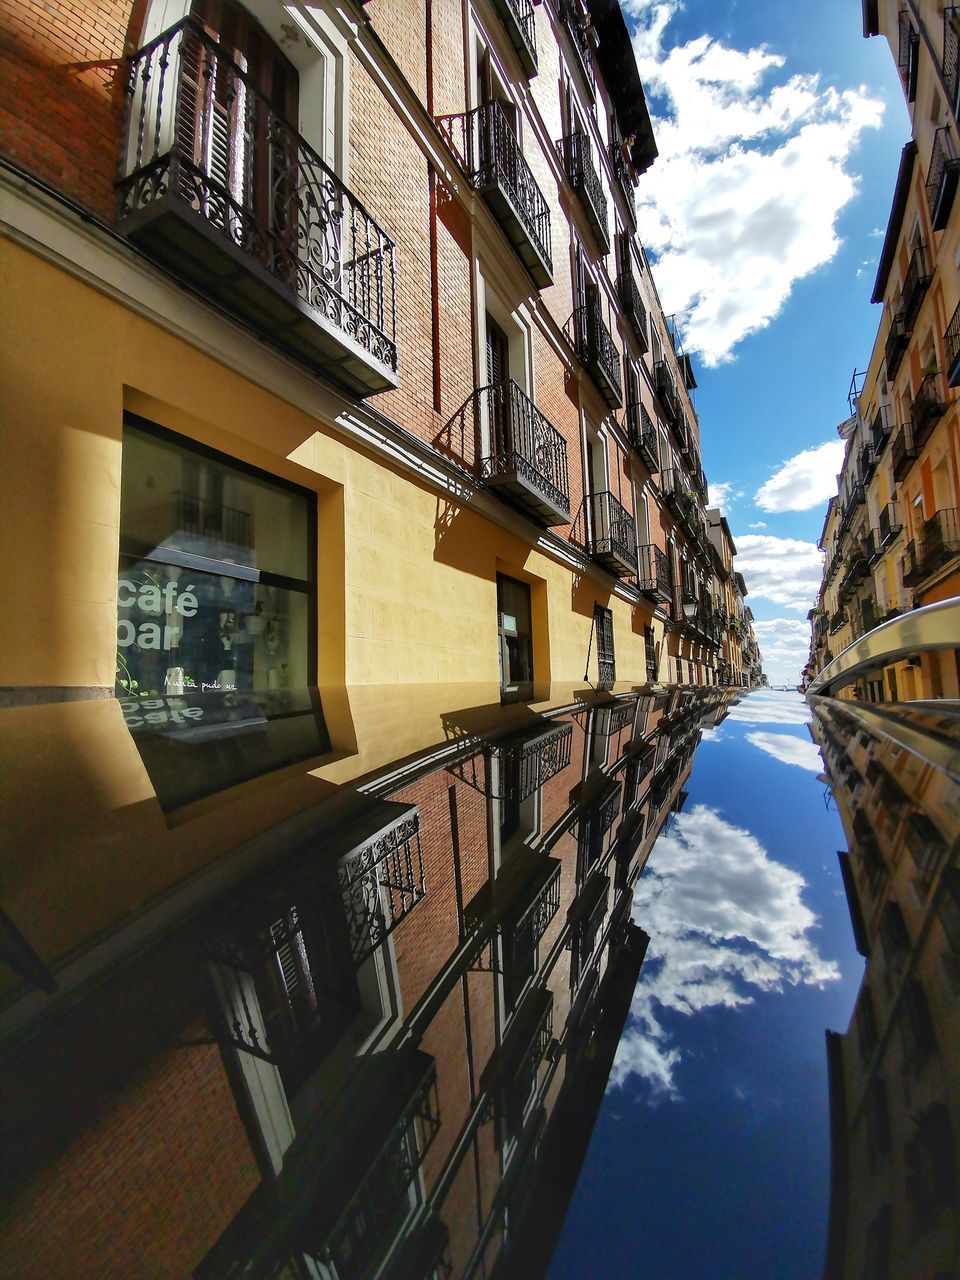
<point>716,1118</point>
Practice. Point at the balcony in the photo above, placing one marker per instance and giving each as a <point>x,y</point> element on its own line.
<point>951,344</point>
<point>837,620</point>
<point>666,390</point>
<point>889,524</point>
<point>939,542</point>
<point>489,154</point>
<point>902,452</point>
<point>654,577</point>
<point>577,163</point>
<point>598,353</point>
<point>951,55</point>
<point>527,462</point>
<point>866,462</point>
<point>682,501</point>
<point>643,436</point>
<point>633,308</point>
<point>873,548</point>
<point>926,408</point>
<point>880,429</point>
<point>908,54</point>
<point>915,287</point>
<point>611,534</point>
<point>910,565</point>
<point>219,187</point>
<point>518,21</point>
<point>896,345</point>
<point>568,12</point>
<point>622,174</point>
<point>942,178</point>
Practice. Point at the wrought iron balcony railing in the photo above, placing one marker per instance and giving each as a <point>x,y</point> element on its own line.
<point>873,548</point>
<point>942,177</point>
<point>520,25</point>
<point>951,344</point>
<point>621,172</point>
<point>939,541</point>
<point>569,14</point>
<point>910,565</point>
<point>666,389</point>
<point>915,286</point>
<point>611,534</point>
<point>866,462</point>
<point>215,179</point>
<point>895,345</point>
<point>527,764</point>
<point>654,573</point>
<point>527,461</point>
<point>489,153</point>
<point>908,54</point>
<point>633,307</point>
<point>643,435</point>
<point>902,452</point>
<point>880,429</point>
<point>837,620</point>
<point>598,352</point>
<point>577,161</point>
<point>951,54</point>
<point>926,408</point>
<point>889,524</point>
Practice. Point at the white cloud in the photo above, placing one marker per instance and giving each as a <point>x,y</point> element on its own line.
<point>750,178</point>
<point>789,750</point>
<point>785,645</point>
<point>768,707</point>
<point>725,922</point>
<point>723,495</point>
<point>758,524</point>
<point>803,481</point>
<point>784,570</point>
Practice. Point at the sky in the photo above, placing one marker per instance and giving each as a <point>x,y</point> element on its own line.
<point>779,129</point>
<point>710,1157</point>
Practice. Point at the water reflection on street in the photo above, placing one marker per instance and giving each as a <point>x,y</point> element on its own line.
<point>384,1034</point>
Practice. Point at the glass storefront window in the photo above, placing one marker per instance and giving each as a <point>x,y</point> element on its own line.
<point>216,578</point>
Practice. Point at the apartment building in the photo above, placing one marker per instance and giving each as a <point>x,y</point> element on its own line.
<point>891,538</point>
<point>349,1049</point>
<point>894,1103</point>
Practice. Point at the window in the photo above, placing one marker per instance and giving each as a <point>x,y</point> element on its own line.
<point>216,588</point>
<point>516,637</point>
<point>603,631</point>
<point>650,649</point>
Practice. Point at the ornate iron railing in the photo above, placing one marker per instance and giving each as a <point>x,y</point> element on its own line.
<point>951,344</point>
<point>632,304</point>
<point>201,137</point>
<point>207,519</point>
<point>611,527</point>
<point>525,930</point>
<point>888,523</point>
<point>942,177</point>
<point>880,429</point>
<point>538,759</point>
<point>895,345</point>
<point>643,435</point>
<point>577,161</point>
<point>902,451</point>
<point>910,565</point>
<point>569,13</point>
<point>951,54</point>
<point>520,23</point>
<point>381,883</point>
<point>621,172</point>
<point>837,620</point>
<point>915,285</point>
<point>488,151</point>
<point>939,541</point>
<point>598,351</point>
<point>908,53</point>
<point>666,390</point>
<point>866,462</point>
<point>523,442</point>
<point>926,408</point>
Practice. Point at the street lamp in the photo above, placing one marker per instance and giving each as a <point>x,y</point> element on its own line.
<point>689,609</point>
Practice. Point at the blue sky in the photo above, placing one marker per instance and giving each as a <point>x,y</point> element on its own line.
<point>780,129</point>
<point>711,1153</point>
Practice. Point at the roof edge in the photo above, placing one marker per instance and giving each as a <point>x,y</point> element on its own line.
<point>895,222</point>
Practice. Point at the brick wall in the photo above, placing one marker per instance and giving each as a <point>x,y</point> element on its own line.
<point>61,91</point>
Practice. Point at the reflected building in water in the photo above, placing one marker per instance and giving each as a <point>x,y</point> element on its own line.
<point>370,1041</point>
<point>895,1073</point>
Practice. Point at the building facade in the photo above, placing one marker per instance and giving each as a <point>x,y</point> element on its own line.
<point>891,536</point>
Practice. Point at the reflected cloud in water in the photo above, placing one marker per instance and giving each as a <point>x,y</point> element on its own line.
<point>771,708</point>
<point>788,749</point>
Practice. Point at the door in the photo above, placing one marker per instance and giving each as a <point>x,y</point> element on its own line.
<point>498,379</point>
<point>514,617</point>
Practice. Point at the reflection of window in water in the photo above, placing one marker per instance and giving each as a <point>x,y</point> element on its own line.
<point>217,575</point>
<point>516,636</point>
